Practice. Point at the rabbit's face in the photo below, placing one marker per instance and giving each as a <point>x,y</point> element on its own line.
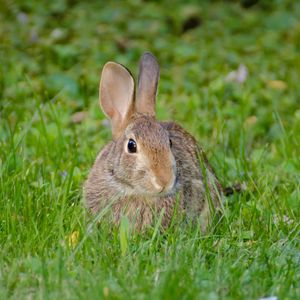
<point>143,161</point>
<point>146,165</point>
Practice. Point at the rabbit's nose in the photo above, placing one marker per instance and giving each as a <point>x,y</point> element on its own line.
<point>163,183</point>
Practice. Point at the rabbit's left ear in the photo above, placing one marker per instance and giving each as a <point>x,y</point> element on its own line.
<point>147,84</point>
<point>116,95</point>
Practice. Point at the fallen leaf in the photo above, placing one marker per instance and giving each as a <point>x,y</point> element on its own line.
<point>250,242</point>
<point>276,84</point>
<point>239,76</point>
<point>58,34</point>
<point>73,239</point>
<point>106,291</point>
<point>250,121</point>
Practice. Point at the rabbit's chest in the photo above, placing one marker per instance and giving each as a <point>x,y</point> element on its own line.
<point>143,212</point>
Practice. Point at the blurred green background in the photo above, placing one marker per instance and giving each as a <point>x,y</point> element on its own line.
<point>55,51</point>
<point>230,73</point>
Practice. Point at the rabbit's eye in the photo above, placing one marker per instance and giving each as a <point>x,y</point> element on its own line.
<point>131,146</point>
<point>170,143</point>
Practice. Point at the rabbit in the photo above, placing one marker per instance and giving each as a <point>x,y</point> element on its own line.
<point>150,167</point>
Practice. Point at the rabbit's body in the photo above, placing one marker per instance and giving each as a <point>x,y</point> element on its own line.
<point>150,167</point>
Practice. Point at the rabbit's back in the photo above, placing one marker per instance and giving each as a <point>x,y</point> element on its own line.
<point>197,180</point>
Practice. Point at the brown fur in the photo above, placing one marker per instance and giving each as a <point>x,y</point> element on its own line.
<point>133,181</point>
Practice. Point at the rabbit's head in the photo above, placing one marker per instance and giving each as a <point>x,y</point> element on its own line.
<point>143,162</point>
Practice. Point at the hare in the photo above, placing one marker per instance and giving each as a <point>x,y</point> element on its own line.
<point>150,167</point>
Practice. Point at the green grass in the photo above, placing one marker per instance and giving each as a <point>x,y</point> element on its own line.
<point>51,54</point>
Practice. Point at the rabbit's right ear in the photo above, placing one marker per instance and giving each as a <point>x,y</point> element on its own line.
<point>116,96</point>
<point>147,84</point>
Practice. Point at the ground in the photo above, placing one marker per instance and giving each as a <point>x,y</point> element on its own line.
<point>229,75</point>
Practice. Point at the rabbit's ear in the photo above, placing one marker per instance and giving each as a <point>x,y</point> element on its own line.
<point>116,96</point>
<point>147,84</point>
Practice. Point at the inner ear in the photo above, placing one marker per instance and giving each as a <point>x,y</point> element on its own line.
<point>116,96</point>
<point>147,84</point>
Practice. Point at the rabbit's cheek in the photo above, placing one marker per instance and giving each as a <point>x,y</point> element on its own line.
<point>142,163</point>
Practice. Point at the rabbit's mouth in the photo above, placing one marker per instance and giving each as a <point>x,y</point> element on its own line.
<point>170,189</point>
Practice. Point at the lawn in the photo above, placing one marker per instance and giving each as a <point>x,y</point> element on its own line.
<point>229,75</point>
